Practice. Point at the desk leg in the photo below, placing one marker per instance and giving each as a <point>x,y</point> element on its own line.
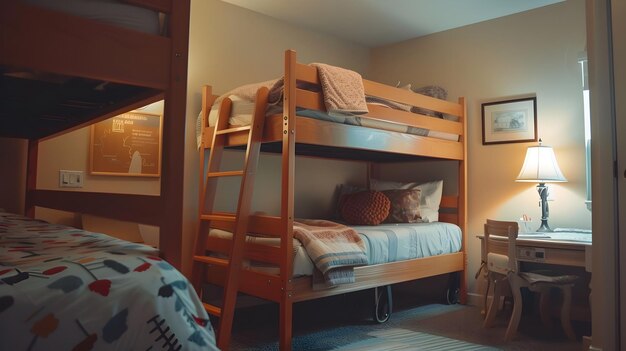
<point>587,340</point>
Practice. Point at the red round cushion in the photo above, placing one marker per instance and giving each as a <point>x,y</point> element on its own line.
<point>365,208</point>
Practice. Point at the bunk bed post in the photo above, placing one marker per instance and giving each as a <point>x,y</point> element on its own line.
<point>462,206</point>
<point>31,177</point>
<point>173,163</point>
<point>287,199</point>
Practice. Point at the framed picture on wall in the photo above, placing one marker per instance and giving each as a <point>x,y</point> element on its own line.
<point>510,121</point>
<point>127,145</point>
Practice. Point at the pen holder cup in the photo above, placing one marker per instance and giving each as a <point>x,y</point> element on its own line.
<point>525,226</point>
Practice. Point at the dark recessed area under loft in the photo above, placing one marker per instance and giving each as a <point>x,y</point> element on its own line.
<point>35,105</point>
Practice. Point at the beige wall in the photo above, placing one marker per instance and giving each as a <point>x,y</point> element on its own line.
<point>231,46</point>
<point>71,152</point>
<point>521,55</point>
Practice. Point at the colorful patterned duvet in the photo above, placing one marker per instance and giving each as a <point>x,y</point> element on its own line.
<point>67,289</point>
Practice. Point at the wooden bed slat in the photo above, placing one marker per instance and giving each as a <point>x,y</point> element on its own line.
<point>306,73</point>
<point>253,251</point>
<point>414,120</point>
<point>125,207</point>
<point>316,132</point>
<point>164,6</point>
<point>259,224</point>
<point>408,97</point>
<point>49,41</point>
<point>449,202</point>
<point>384,274</point>
<point>310,100</point>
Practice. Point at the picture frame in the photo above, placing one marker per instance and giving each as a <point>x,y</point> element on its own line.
<point>127,145</point>
<point>510,121</point>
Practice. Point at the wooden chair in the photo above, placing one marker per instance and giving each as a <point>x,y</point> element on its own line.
<point>503,268</point>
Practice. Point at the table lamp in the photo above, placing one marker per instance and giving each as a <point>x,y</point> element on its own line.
<point>540,166</point>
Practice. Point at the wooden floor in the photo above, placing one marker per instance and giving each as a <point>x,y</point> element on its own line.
<point>415,308</point>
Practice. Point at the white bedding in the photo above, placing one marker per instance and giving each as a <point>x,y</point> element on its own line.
<point>384,243</point>
<point>63,288</point>
<point>404,241</point>
<point>108,11</point>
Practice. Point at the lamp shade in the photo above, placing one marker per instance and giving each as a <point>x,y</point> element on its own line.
<point>540,166</point>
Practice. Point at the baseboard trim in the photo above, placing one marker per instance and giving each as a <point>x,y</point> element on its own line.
<point>475,299</point>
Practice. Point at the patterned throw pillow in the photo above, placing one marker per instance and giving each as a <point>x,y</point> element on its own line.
<point>405,206</point>
<point>365,208</point>
<point>430,196</point>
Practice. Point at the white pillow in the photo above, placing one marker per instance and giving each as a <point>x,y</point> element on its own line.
<point>430,195</point>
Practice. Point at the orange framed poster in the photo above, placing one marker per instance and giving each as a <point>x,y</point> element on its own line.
<point>127,145</point>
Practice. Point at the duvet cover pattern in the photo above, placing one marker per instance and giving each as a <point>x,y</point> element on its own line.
<point>63,288</point>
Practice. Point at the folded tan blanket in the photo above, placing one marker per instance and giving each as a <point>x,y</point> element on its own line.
<point>334,248</point>
<point>342,88</point>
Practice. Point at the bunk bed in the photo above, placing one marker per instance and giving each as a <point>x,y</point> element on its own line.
<point>60,72</point>
<point>290,133</point>
<point>65,65</point>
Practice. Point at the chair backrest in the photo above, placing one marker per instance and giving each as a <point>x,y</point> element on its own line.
<point>497,262</point>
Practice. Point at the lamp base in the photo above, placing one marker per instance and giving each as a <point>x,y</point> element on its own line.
<point>544,226</point>
<point>542,189</point>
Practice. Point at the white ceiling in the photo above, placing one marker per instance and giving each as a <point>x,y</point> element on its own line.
<point>380,22</point>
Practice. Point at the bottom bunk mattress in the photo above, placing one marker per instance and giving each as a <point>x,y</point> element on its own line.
<point>383,243</point>
<point>63,288</point>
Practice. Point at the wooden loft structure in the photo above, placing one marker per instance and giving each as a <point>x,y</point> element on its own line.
<point>60,72</point>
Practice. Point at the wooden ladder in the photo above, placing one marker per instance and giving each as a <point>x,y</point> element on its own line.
<point>232,263</point>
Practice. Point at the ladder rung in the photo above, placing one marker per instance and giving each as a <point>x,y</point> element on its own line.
<point>211,260</point>
<point>212,309</point>
<point>232,130</point>
<point>219,217</point>
<point>225,174</point>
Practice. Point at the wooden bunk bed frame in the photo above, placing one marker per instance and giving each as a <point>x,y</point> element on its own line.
<point>81,71</point>
<point>287,130</point>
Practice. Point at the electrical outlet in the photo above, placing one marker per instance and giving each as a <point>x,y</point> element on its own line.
<point>71,179</point>
<point>534,254</point>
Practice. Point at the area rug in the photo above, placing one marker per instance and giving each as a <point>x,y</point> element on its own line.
<point>396,334</point>
<point>397,339</point>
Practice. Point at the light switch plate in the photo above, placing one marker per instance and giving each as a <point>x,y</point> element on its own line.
<point>71,179</point>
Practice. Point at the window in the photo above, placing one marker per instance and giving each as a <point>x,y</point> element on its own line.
<point>587,118</point>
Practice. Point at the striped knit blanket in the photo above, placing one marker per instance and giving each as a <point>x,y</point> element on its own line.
<point>334,248</point>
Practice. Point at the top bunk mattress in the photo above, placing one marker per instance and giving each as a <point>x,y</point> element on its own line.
<point>108,11</point>
<point>242,110</point>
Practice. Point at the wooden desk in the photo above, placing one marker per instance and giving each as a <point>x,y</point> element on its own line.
<point>554,250</point>
<point>560,248</point>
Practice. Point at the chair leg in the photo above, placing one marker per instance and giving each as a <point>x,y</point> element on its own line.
<point>565,312</point>
<point>516,315</point>
<point>495,302</point>
<point>544,307</point>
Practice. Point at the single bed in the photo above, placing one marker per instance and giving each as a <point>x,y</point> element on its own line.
<point>288,132</point>
<point>67,64</point>
<point>62,288</point>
